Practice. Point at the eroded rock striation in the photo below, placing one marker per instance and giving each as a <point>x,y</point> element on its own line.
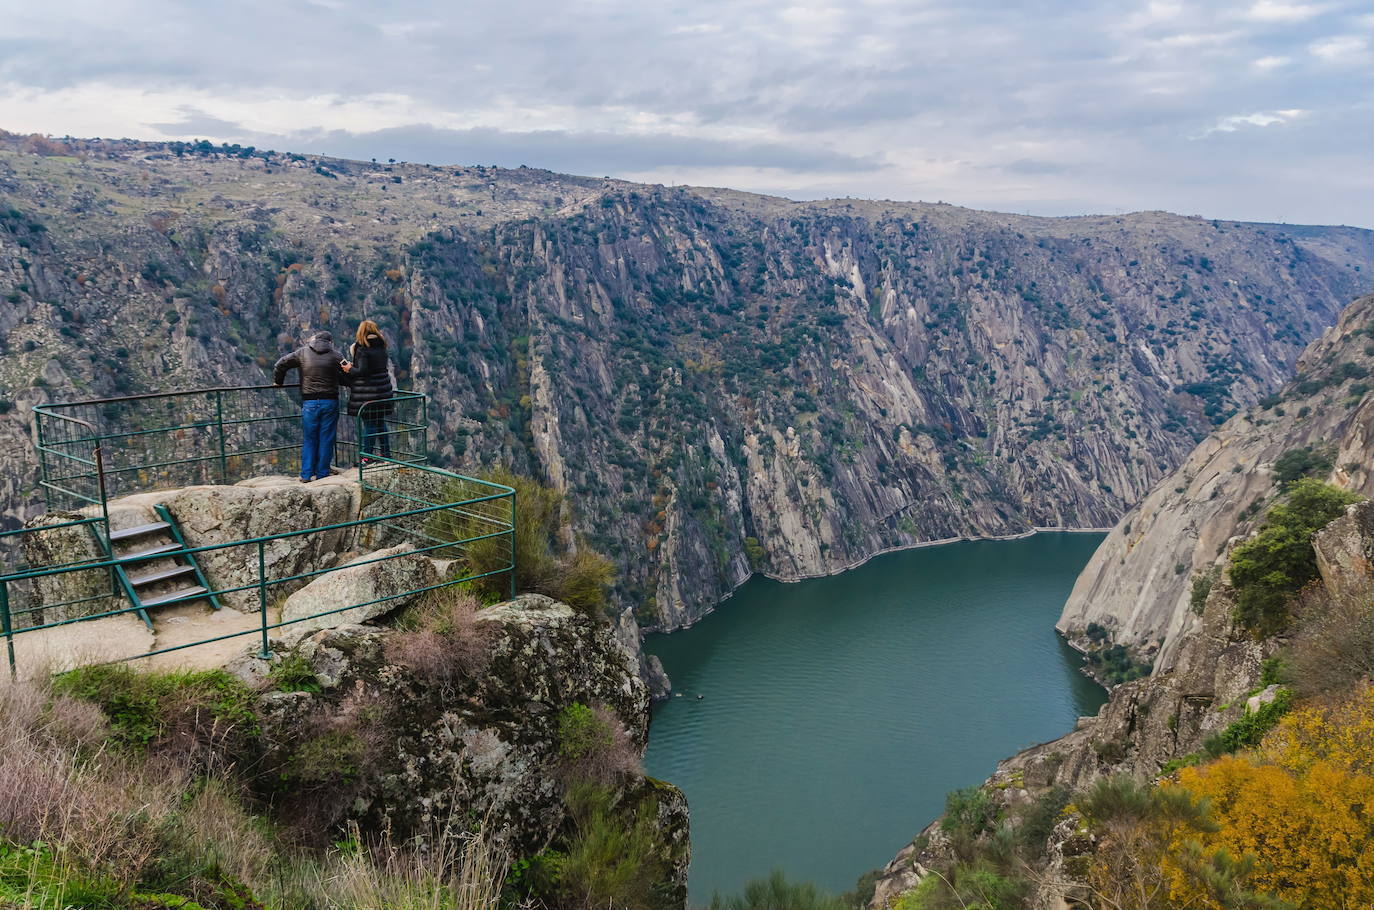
<point>722,383</point>
<point>1137,585</point>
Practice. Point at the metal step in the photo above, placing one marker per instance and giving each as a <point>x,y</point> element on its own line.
<point>149,553</point>
<point>148,578</point>
<point>190,593</point>
<point>139,531</point>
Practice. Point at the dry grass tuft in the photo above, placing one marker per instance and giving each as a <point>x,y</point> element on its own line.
<point>594,746</point>
<point>444,641</point>
<point>1332,652</point>
<point>60,785</point>
<point>444,872</point>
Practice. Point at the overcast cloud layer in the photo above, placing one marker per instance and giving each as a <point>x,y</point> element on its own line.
<point>1255,110</point>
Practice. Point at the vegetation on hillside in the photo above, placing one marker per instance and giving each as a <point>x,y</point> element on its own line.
<point>1269,568</point>
<point>132,790</point>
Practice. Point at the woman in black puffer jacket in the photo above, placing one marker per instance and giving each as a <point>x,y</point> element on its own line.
<point>369,389</point>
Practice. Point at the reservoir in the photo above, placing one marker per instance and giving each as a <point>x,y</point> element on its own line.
<point>837,712</point>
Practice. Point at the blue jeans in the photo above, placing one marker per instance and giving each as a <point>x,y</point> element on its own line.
<point>375,437</point>
<point>320,422</point>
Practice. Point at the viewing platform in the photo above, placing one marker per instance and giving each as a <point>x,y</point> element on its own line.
<point>176,534</point>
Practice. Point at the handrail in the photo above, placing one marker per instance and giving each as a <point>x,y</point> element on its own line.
<point>143,396</point>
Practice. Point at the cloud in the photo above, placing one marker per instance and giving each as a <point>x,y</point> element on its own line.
<point>1277,11</point>
<point>1271,63</point>
<point>1258,119</point>
<point>1341,49</point>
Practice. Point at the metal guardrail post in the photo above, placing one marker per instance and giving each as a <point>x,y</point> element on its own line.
<point>42,458</point>
<point>219,422</point>
<point>512,546</point>
<point>266,652</point>
<point>8,624</point>
<point>100,480</point>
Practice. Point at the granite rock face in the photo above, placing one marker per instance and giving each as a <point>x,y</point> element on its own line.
<point>721,382</point>
<point>1137,584</point>
<point>260,507</point>
<point>375,581</point>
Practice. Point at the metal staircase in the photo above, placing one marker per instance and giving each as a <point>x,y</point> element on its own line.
<point>156,571</point>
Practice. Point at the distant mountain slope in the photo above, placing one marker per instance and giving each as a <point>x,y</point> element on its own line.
<point>1137,583</point>
<point>723,382</point>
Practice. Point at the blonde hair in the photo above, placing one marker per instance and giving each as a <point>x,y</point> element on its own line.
<point>365,328</point>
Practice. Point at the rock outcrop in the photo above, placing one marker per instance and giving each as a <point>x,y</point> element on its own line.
<point>1137,584</point>
<point>479,746</point>
<point>379,582</point>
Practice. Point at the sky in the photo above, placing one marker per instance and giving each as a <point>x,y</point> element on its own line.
<point>1260,109</point>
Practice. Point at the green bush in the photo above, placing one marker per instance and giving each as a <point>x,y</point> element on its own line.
<point>1273,671</point>
<point>1038,819</point>
<point>968,812</point>
<point>293,673</point>
<point>1201,588</point>
<point>141,705</point>
<point>1270,567</point>
<point>581,731</point>
<point>613,857</point>
<point>1246,732</point>
<point>1117,665</point>
<point>1296,464</point>
<point>593,746</point>
<point>777,893</point>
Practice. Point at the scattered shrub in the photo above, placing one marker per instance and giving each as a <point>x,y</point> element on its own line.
<point>1333,646</point>
<point>777,893</point>
<point>1201,588</point>
<point>613,858</point>
<point>1296,464</point>
<point>293,673</point>
<point>1246,732</point>
<point>580,577</point>
<point>198,718</point>
<point>1117,665</point>
<point>593,745</point>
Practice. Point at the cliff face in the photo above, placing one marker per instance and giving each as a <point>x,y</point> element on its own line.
<point>1138,582</point>
<point>722,382</point>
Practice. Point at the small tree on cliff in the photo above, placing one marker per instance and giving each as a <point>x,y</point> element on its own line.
<point>1268,569</point>
<point>544,562</point>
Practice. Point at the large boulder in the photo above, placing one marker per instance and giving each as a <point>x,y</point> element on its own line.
<point>260,507</point>
<point>1343,550</point>
<point>370,585</point>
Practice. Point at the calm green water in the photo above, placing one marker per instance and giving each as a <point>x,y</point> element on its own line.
<point>838,712</point>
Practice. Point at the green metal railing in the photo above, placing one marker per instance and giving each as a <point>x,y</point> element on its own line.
<point>91,452</point>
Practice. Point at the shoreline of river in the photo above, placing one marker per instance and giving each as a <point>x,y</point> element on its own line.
<point>919,545</point>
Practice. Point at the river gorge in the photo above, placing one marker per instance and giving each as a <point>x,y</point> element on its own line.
<point>816,726</point>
